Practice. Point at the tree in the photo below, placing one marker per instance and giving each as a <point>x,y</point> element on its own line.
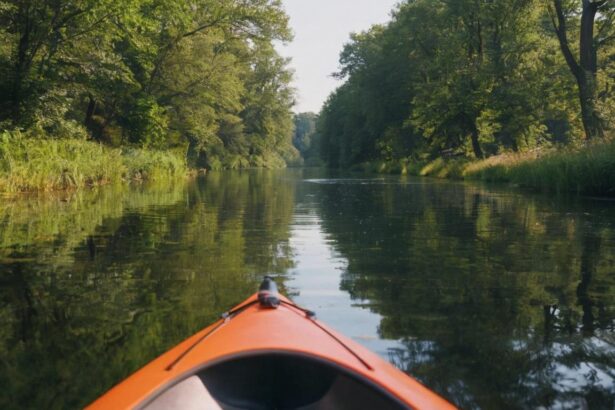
<point>445,77</point>
<point>41,33</point>
<point>267,107</point>
<point>198,74</point>
<point>593,14</point>
<point>305,128</point>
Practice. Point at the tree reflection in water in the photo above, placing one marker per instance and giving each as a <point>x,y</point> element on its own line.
<point>497,299</point>
<point>501,300</point>
<point>96,284</point>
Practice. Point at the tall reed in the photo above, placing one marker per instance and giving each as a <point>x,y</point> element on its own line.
<point>588,170</point>
<point>28,164</point>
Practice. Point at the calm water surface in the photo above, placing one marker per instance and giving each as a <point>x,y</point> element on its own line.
<point>494,298</point>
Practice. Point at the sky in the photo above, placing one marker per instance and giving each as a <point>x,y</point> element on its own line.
<point>321,29</point>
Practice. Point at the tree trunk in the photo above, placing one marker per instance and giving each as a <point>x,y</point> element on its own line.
<point>23,60</point>
<point>90,112</point>
<point>514,144</point>
<point>589,257</point>
<point>478,152</point>
<point>586,69</point>
<point>592,123</point>
<point>20,72</point>
<point>587,78</point>
<point>16,96</point>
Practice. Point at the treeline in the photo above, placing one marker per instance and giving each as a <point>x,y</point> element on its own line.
<point>473,78</point>
<point>305,139</point>
<point>202,75</point>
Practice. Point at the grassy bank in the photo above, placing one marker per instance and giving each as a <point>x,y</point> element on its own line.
<point>28,164</point>
<point>402,166</point>
<point>589,170</point>
<point>438,168</point>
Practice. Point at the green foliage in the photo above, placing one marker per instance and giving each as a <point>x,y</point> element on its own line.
<point>306,139</point>
<point>440,168</point>
<point>151,73</point>
<point>154,165</point>
<point>305,128</point>
<point>147,123</point>
<point>267,107</point>
<point>28,164</point>
<point>586,170</point>
<point>460,79</point>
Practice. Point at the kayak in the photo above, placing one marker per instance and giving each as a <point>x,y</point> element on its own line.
<point>268,353</point>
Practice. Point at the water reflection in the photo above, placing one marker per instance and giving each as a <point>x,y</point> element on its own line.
<point>501,300</point>
<point>316,282</point>
<point>495,299</point>
<point>94,285</point>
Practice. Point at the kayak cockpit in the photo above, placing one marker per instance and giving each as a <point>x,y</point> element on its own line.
<point>268,353</point>
<point>273,381</point>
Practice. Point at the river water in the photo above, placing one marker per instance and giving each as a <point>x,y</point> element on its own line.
<point>492,297</point>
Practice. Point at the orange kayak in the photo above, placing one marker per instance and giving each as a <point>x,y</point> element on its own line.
<point>268,353</point>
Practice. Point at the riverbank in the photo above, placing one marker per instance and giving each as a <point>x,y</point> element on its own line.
<point>28,164</point>
<point>588,170</point>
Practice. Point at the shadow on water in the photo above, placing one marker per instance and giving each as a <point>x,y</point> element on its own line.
<point>493,298</point>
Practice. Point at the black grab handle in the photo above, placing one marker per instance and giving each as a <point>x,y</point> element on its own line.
<point>268,295</point>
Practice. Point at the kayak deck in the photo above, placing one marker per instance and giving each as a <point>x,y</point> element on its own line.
<point>273,381</point>
<point>269,357</point>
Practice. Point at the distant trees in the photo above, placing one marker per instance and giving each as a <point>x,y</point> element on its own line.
<point>471,78</point>
<point>159,73</point>
<point>305,130</point>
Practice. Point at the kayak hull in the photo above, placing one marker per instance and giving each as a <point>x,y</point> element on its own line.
<point>257,331</point>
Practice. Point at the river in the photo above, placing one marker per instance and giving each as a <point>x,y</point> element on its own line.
<point>493,297</point>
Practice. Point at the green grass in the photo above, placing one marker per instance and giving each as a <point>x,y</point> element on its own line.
<point>404,166</point>
<point>28,164</point>
<point>589,170</point>
<point>586,170</point>
<point>440,168</point>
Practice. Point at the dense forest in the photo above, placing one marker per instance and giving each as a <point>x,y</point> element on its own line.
<point>198,76</point>
<point>472,79</point>
<point>97,91</point>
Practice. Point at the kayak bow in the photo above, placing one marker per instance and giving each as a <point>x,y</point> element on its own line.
<point>268,353</point>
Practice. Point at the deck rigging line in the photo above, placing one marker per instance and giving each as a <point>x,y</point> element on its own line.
<point>225,317</point>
